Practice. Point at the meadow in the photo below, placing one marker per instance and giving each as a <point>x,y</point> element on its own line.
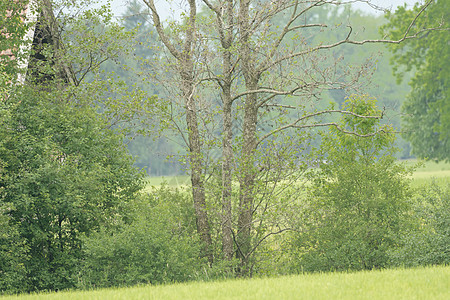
<point>171,181</point>
<point>430,171</point>
<point>425,173</point>
<point>418,283</point>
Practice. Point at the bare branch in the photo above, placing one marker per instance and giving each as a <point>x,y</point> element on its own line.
<point>347,40</point>
<point>287,28</point>
<point>279,105</point>
<point>215,9</point>
<point>219,20</point>
<point>294,124</point>
<point>238,248</point>
<point>265,237</point>
<point>343,130</point>
<point>307,26</point>
<point>267,90</point>
<point>159,28</point>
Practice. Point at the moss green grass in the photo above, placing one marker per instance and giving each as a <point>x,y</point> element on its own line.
<point>419,283</point>
<point>431,171</point>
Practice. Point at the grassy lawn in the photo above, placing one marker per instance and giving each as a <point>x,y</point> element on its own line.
<point>420,283</point>
<point>439,172</point>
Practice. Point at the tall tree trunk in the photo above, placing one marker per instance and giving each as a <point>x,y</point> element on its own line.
<point>247,164</point>
<point>226,35</point>
<point>227,238</point>
<point>247,182</point>
<point>184,57</point>
<point>195,143</point>
<point>196,162</point>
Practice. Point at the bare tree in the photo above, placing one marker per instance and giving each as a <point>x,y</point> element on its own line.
<point>273,72</point>
<point>269,76</point>
<point>184,55</point>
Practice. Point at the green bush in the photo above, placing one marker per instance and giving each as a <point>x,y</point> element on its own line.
<point>159,245</point>
<point>357,199</point>
<point>62,175</point>
<point>428,243</point>
<point>12,249</point>
<point>13,254</point>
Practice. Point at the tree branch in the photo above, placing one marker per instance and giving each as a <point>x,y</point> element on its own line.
<point>159,28</point>
<point>342,130</point>
<point>347,40</point>
<point>267,90</point>
<point>265,237</point>
<point>294,124</point>
<point>287,28</point>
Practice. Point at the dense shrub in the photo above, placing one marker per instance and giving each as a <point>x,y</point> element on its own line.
<point>13,254</point>
<point>428,243</point>
<point>158,245</point>
<point>357,199</point>
<point>63,174</point>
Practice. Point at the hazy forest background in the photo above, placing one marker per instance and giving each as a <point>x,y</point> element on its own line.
<point>246,138</point>
<point>152,155</point>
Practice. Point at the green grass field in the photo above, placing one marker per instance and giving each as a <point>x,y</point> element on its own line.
<point>420,283</point>
<point>172,181</point>
<point>431,171</point>
<point>439,172</point>
<point>431,166</point>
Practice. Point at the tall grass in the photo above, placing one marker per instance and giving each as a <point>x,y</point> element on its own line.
<point>420,283</point>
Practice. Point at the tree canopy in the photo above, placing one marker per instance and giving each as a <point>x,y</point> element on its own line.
<point>64,171</point>
<point>427,108</point>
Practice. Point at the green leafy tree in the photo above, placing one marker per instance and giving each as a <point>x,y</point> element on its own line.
<point>427,107</point>
<point>13,250</point>
<point>357,195</point>
<point>64,172</point>
<point>12,33</point>
<point>65,176</point>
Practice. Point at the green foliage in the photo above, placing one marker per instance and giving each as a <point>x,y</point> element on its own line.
<point>89,38</point>
<point>428,243</point>
<point>12,31</point>
<point>357,197</point>
<point>13,250</point>
<point>70,212</point>
<point>81,37</point>
<point>63,174</point>
<point>427,108</point>
<point>13,253</point>
<point>158,246</point>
